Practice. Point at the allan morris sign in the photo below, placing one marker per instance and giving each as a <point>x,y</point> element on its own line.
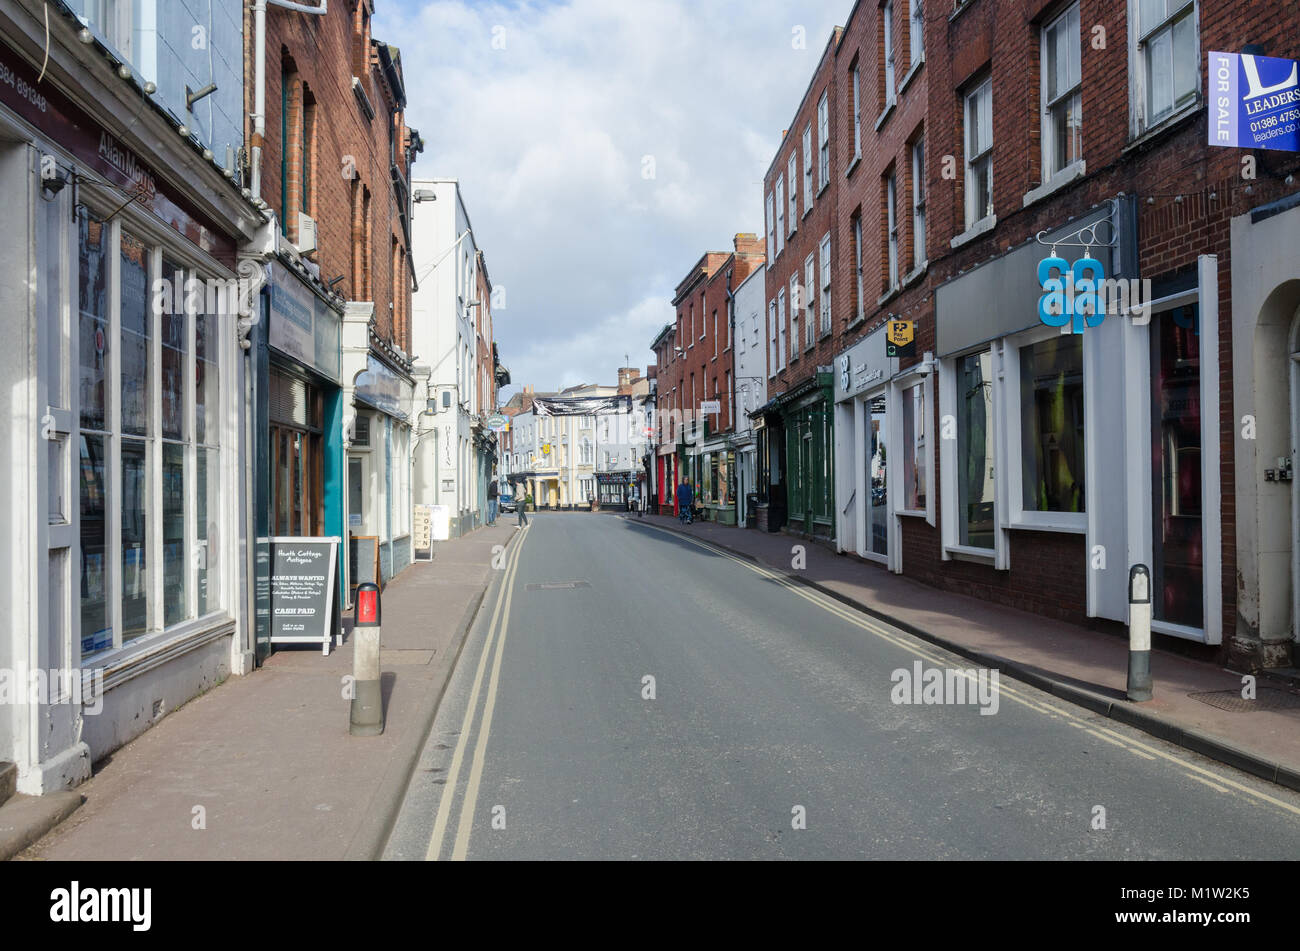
<point>1254,102</point>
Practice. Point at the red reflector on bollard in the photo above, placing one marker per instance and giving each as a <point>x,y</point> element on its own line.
<point>368,605</point>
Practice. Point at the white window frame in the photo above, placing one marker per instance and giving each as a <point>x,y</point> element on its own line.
<point>891,226</point>
<point>772,358</point>
<point>810,291</point>
<point>916,34</point>
<point>796,304</point>
<point>900,389</point>
<point>1048,127</point>
<point>807,168</point>
<point>771,228</point>
<point>973,161</point>
<point>857,267</point>
<point>857,112</point>
<point>1141,36</point>
<point>780,214</point>
<point>781,328</point>
<point>824,143</point>
<point>825,303</point>
<point>918,204</point>
<point>792,178</point>
<point>891,88</point>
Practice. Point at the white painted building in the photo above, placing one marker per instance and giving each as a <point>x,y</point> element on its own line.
<point>444,334</point>
<point>750,357</point>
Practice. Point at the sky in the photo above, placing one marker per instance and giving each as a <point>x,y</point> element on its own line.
<point>602,147</point>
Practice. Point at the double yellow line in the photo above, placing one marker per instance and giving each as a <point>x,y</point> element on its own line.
<point>497,631</point>
<point>1210,778</point>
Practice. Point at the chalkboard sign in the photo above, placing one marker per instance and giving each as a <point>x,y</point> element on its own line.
<point>363,560</point>
<point>303,573</point>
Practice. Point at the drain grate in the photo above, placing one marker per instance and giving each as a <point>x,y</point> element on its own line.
<point>557,586</point>
<point>1267,698</point>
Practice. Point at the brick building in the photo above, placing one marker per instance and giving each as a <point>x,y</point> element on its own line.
<point>804,294</point>
<point>334,378</point>
<point>1031,466</point>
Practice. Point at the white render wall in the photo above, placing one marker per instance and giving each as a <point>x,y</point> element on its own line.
<point>749,348</point>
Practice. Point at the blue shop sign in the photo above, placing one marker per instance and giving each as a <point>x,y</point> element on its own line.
<point>1254,102</point>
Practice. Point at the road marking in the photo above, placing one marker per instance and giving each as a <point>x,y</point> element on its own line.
<point>485,728</point>
<point>1206,781</point>
<point>453,774</point>
<point>1135,747</point>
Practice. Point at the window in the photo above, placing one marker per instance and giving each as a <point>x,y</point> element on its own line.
<point>809,286</point>
<point>887,23</point>
<point>780,215</point>
<point>861,308</point>
<point>891,225</point>
<point>918,203</point>
<point>1051,406</point>
<point>780,325</point>
<point>1168,58</point>
<point>975,472</point>
<point>771,228</point>
<point>824,143</point>
<point>796,304</point>
<point>807,169</point>
<point>979,153</point>
<point>916,34</point>
<point>163,490</point>
<point>857,113</point>
<point>1062,95</point>
<point>916,458</point>
<point>715,333</point>
<point>792,176</point>
<point>772,359</point>
<point>826,284</point>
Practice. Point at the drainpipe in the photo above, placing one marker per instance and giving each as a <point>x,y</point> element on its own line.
<point>735,416</point>
<point>259,80</point>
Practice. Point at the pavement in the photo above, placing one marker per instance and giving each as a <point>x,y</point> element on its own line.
<point>633,694</point>
<point>1086,667</point>
<point>263,766</point>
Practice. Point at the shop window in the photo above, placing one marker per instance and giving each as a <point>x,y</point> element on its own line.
<point>877,500</point>
<point>975,450</point>
<point>1177,575</point>
<point>162,488</point>
<point>916,453</point>
<point>1052,443</point>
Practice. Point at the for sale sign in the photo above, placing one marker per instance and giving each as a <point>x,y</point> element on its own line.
<point>1254,102</point>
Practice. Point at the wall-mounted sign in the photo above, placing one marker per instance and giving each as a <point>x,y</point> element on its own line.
<point>1254,102</point>
<point>901,338</point>
<point>1072,293</point>
<point>497,423</point>
<point>303,326</point>
<point>711,407</point>
<point>864,365</point>
<point>381,387</point>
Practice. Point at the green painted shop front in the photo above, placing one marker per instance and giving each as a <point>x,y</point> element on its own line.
<point>809,457</point>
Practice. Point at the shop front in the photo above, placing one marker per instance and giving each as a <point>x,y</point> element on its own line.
<point>1090,451</point>
<point>298,400</point>
<point>717,485</point>
<point>865,512</point>
<point>122,370</point>
<point>379,506</point>
<point>806,416</point>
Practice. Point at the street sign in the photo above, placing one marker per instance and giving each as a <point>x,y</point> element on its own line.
<point>497,423</point>
<point>901,339</point>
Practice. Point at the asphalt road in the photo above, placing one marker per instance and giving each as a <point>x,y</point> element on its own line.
<point>773,732</point>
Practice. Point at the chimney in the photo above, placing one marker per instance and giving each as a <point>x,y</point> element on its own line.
<point>626,375</point>
<point>748,244</point>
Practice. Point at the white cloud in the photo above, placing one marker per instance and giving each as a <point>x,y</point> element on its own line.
<point>548,138</point>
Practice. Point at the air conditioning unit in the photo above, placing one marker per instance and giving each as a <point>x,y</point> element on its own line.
<point>306,234</point>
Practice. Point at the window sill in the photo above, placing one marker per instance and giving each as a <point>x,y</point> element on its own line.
<point>915,274</point>
<point>825,186</point>
<point>1061,523</point>
<point>857,160</point>
<point>153,650</point>
<point>808,348</point>
<point>1071,173</point>
<point>979,556</point>
<point>1167,124</point>
<point>362,99</point>
<point>889,295</point>
<point>983,226</point>
<point>912,513</point>
<point>888,111</point>
<point>823,335</point>
<point>857,321</point>
<point>915,68</point>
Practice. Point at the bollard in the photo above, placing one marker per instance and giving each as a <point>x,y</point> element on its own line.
<point>1139,633</point>
<point>367,697</point>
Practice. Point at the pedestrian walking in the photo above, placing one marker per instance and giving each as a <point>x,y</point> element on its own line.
<point>522,508</point>
<point>493,494</point>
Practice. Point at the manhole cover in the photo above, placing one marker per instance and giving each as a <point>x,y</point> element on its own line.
<point>1267,698</point>
<point>557,586</point>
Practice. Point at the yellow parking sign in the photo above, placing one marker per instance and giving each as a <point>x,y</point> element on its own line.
<point>900,339</point>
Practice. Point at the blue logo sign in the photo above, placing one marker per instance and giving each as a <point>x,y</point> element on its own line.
<point>1254,102</point>
<point>1073,295</point>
